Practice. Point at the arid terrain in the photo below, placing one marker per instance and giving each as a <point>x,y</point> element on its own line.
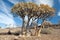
<point>55,35</point>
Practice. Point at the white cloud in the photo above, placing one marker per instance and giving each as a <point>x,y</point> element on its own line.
<point>14,1</point>
<point>4,8</point>
<point>28,0</point>
<point>59,13</point>
<point>59,1</point>
<point>6,20</point>
<point>49,2</point>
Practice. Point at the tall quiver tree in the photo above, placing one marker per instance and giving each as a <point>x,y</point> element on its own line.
<point>32,10</point>
<point>45,13</point>
<point>19,10</point>
<point>22,9</point>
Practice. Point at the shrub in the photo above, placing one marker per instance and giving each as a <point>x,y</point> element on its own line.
<point>17,33</point>
<point>46,31</point>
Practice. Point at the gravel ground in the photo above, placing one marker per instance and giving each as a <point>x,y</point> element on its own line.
<point>54,36</point>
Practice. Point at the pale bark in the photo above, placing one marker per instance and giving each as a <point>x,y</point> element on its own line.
<point>22,29</point>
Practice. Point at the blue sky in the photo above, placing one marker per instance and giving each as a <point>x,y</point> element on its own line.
<point>7,19</point>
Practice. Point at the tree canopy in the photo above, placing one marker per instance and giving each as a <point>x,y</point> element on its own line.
<point>33,10</point>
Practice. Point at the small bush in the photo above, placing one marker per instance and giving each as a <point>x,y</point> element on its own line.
<point>46,31</point>
<point>9,32</point>
<point>17,33</point>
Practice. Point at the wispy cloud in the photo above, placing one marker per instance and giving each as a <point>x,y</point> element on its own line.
<point>14,1</point>
<point>49,2</point>
<point>59,13</point>
<point>59,1</point>
<point>6,20</point>
<point>4,8</point>
<point>5,16</point>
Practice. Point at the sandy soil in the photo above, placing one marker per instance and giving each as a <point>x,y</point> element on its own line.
<point>54,36</point>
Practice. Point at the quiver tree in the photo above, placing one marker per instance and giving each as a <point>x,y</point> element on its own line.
<point>22,9</point>
<point>19,10</point>
<point>33,11</point>
<point>45,13</point>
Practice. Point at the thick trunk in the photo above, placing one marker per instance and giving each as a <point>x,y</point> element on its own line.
<point>27,26</point>
<point>36,28</point>
<point>22,29</point>
<point>42,26</point>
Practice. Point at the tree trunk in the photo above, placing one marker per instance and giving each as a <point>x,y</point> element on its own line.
<point>27,26</point>
<point>42,26</point>
<point>36,28</point>
<point>22,29</point>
